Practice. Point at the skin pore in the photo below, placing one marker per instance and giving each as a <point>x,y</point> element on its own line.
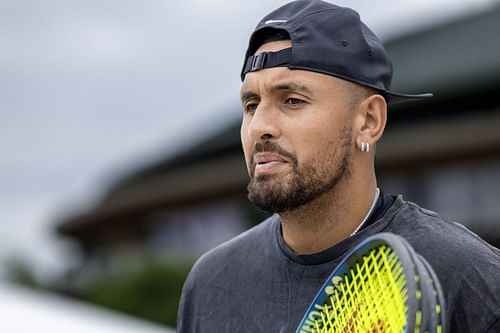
<point>301,133</point>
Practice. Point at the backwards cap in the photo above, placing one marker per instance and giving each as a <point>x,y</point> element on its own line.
<point>326,39</point>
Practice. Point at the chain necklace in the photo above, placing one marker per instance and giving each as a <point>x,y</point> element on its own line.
<point>370,211</point>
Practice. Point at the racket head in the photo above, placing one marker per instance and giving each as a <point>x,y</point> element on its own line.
<point>374,288</point>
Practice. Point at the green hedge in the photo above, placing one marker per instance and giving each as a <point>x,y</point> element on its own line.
<point>151,292</point>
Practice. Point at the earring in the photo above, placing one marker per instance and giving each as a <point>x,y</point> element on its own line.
<point>365,147</point>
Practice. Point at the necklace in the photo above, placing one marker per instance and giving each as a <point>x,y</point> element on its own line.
<point>370,211</point>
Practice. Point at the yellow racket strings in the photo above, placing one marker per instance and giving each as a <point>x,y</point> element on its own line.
<point>371,298</point>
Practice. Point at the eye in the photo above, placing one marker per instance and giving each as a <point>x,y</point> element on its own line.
<point>294,101</point>
<point>250,107</point>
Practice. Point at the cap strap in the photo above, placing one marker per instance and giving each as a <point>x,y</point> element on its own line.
<point>267,60</point>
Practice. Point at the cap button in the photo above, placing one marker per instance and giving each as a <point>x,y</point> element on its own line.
<point>344,43</point>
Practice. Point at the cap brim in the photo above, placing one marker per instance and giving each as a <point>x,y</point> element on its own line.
<point>394,98</point>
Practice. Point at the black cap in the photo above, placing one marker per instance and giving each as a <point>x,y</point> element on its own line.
<point>326,39</point>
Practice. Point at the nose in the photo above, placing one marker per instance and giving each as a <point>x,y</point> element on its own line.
<point>264,124</point>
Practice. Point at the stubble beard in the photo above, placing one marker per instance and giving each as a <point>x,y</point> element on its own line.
<point>280,194</point>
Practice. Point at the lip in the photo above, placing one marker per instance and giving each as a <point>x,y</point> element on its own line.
<point>267,162</point>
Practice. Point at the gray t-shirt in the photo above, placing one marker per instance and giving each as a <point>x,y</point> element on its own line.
<point>255,283</point>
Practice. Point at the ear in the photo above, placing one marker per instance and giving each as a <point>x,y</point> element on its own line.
<point>371,119</point>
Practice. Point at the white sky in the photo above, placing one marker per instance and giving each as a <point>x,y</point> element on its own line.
<point>92,89</point>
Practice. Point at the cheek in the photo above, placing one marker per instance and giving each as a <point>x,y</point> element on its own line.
<point>316,144</point>
<point>312,140</point>
<point>310,156</point>
<point>247,145</point>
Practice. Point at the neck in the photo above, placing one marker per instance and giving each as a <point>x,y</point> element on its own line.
<point>329,219</point>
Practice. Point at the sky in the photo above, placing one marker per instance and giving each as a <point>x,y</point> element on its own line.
<point>90,90</point>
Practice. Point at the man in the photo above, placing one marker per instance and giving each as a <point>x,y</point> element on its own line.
<point>315,92</point>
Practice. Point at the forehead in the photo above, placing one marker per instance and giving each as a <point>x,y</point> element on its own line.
<point>275,79</point>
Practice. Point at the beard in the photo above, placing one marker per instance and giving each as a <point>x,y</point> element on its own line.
<point>279,194</point>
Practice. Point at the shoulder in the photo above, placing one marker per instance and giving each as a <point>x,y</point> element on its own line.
<point>234,255</point>
<point>429,232</point>
<point>213,287</point>
<point>467,266</point>
<point>442,240</point>
<point>245,246</point>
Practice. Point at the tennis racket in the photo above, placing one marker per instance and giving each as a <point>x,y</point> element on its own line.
<point>381,286</point>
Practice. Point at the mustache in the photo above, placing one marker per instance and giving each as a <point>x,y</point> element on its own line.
<point>273,147</point>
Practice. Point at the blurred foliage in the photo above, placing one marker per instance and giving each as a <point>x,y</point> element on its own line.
<point>19,271</point>
<point>150,292</point>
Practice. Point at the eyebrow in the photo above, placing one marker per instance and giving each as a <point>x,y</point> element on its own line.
<point>289,86</point>
<point>248,95</point>
<point>285,86</point>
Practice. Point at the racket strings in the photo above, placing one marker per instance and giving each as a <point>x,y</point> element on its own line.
<point>370,298</point>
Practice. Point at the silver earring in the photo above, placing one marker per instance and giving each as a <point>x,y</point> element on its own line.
<point>362,148</point>
<point>365,147</point>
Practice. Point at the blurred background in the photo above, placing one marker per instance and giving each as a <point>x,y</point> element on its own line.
<point>120,154</point>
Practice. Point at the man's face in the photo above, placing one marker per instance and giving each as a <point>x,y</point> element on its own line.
<point>296,134</point>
